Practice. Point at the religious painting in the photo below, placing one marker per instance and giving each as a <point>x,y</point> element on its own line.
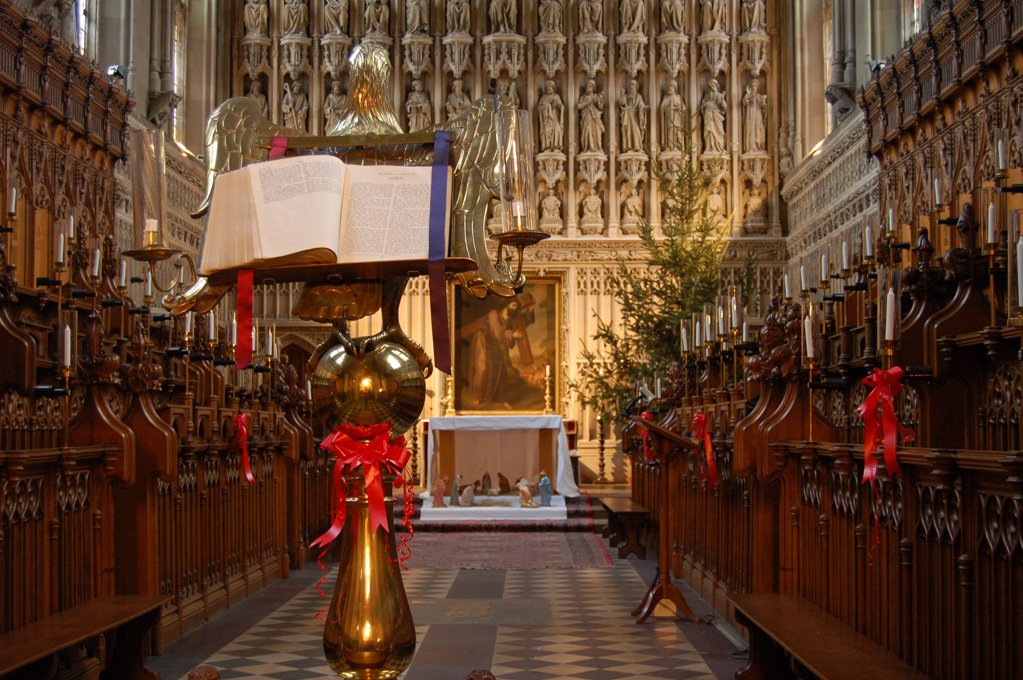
<point>506,349</point>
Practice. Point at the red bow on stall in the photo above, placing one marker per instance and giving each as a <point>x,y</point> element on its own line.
<point>241,439</point>
<point>369,447</point>
<point>702,434</point>
<point>883,427</point>
<point>644,436</point>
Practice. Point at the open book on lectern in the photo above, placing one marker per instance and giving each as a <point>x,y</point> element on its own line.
<point>319,210</point>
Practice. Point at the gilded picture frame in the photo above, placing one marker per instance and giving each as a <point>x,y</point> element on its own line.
<point>504,348</point>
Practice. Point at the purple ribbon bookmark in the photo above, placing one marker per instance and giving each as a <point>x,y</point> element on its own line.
<point>439,251</point>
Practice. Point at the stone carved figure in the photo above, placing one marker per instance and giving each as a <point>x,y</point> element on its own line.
<point>332,105</point>
<point>335,17</point>
<point>753,105</point>
<point>715,202</point>
<point>377,15</point>
<point>632,207</point>
<point>550,209</point>
<point>256,93</point>
<point>439,486</point>
<point>495,223</point>
<point>591,114</point>
<point>591,16</point>
<point>458,16</point>
<point>457,101</point>
<point>417,16</point>
<point>256,16</point>
<point>673,16</point>
<point>713,16</point>
<point>418,108</point>
<point>754,18</point>
<point>506,88</point>
<point>550,16</point>
<point>755,205</point>
<point>593,208</point>
<point>295,106</point>
<point>713,109</point>
<point>296,17</point>
<point>502,15</point>
<point>551,110</point>
<point>632,14</point>
<point>672,119</point>
<point>632,115</point>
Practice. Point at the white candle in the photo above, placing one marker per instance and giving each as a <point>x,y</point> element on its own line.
<point>937,191</point>
<point>825,270</point>
<point>699,334</point>
<point>658,387</point>
<point>1001,155</point>
<point>891,219</point>
<point>269,342</point>
<point>309,390</point>
<point>12,207</point>
<point>802,279</point>
<point>234,329</point>
<point>94,270</point>
<point>745,331</point>
<point>152,224</point>
<point>1019,272</point>
<point>889,316</point>
<point>787,288</point>
<point>808,334</point>
<point>211,322</point>
<point>708,327</point>
<point>547,370</point>
<point>59,255</point>
<point>735,313</point>
<point>685,337</point>
<point>188,323</point>
<point>868,241</point>
<point>845,256</point>
<point>71,226</point>
<point>991,235</point>
<point>67,346</point>
<point>122,273</point>
<point>721,320</point>
<point>149,283</point>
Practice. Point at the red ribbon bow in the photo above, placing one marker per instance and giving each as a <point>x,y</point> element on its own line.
<point>884,428</point>
<point>241,439</point>
<point>644,436</point>
<point>370,447</point>
<point>703,434</point>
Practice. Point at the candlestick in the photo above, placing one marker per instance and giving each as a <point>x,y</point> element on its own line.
<point>149,284</point>
<point>269,341</point>
<point>188,323</point>
<point>1001,155</point>
<point>309,390</point>
<point>699,334</point>
<point>211,322</point>
<point>889,316</point>
<point>59,255</point>
<point>786,288</point>
<point>937,191</point>
<point>991,235</point>
<point>94,269</point>
<point>868,242</point>
<point>802,279</point>
<point>845,255</point>
<point>122,273</point>
<point>824,265</point>
<point>808,334</point>
<point>67,346</point>
<point>71,227</point>
<point>547,370</point>
<point>721,320</point>
<point>735,312</point>
<point>658,387</point>
<point>891,219</point>
<point>685,337</point>
<point>745,331</point>
<point>234,329</point>
<point>12,206</point>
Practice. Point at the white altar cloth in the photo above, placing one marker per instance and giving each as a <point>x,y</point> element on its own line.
<point>564,481</point>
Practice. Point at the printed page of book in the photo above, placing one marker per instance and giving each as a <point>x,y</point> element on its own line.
<point>229,237</point>
<point>386,213</point>
<point>298,204</point>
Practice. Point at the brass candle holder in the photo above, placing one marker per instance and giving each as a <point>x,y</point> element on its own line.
<point>547,395</point>
<point>992,254</point>
<point>601,479</point>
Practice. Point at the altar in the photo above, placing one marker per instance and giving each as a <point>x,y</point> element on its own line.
<point>516,446</point>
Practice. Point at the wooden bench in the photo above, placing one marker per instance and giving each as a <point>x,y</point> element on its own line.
<point>626,520</point>
<point>108,635</point>
<point>792,638</point>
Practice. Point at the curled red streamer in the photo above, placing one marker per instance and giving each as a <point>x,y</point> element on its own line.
<point>644,436</point>
<point>703,434</point>
<point>884,427</point>
<point>241,439</point>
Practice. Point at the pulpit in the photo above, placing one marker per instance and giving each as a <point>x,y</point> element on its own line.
<point>516,446</point>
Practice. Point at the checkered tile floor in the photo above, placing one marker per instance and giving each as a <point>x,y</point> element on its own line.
<point>536,624</point>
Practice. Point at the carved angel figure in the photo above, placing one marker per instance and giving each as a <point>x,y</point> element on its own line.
<point>335,17</point>
<point>256,14</point>
<point>458,16</point>
<point>550,16</point>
